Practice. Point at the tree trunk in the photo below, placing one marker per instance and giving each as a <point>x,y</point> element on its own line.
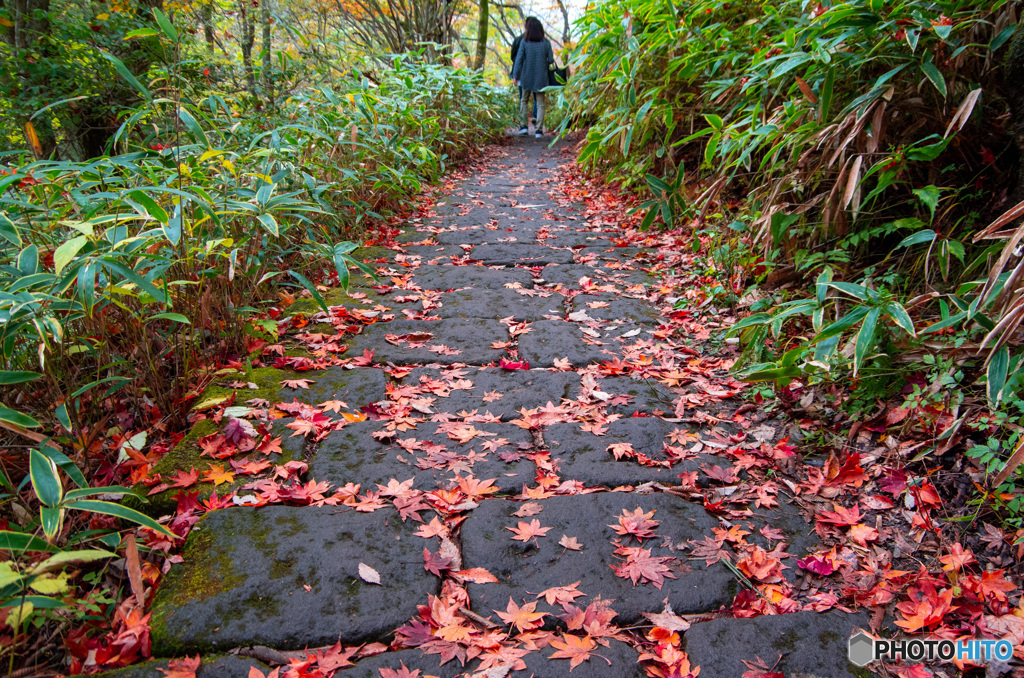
<point>481,37</point>
<point>206,14</point>
<point>566,32</point>
<point>267,47</point>
<point>247,38</point>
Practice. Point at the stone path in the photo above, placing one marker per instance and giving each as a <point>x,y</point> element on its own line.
<point>565,488</point>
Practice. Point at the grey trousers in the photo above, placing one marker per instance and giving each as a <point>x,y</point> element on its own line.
<point>538,100</point>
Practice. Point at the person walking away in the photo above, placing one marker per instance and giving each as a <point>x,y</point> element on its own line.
<point>515,50</point>
<point>530,71</point>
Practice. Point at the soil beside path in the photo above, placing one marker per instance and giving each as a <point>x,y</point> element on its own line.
<point>539,472</point>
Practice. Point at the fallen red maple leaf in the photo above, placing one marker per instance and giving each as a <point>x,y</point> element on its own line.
<point>517,365</point>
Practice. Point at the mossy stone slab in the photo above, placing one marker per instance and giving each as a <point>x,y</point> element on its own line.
<point>498,391</point>
<point>435,254</point>
<point>353,455</point>
<point>228,666</point>
<point>618,309</point>
<point>803,644</point>
<point>480,236</point>
<point>568,275</point>
<point>186,455</point>
<point>646,396</point>
<point>432,277</point>
<point>618,660</point>
<point>413,660</point>
<point>357,387</point>
<point>512,254</point>
<point>524,570</point>
<point>246,572</point>
<point>500,303</point>
<point>470,337</point>
<point>551,340</point>
<point>583,456</point>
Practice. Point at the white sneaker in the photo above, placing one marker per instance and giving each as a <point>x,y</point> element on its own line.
<point>539,135</point>
<point>523,131</point>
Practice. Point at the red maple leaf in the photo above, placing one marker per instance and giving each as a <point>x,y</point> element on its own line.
<point>638,524</point>
<point>640,564</point>
<point>435,563</point>
<point>513,365</point>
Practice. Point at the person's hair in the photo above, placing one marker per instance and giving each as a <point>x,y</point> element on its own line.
<point>534,30</point>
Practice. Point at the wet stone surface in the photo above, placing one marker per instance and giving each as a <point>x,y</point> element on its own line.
<point>612,308</point>
<point>618,660</point>
<point>645,396</point>
<point>583,456</point>
<point>430,277</point>
<point>497,391</point>
<point>803,644</point>
<point>526,569</point>
<point>512,254</point>
<point>502,303</point>
<point>356,387</point>
<point>428,455</point>
<point>413,660</point>
<point>550,340</point>
<point>287,577</point>
<point>471,338</point>
<point>228,666</point>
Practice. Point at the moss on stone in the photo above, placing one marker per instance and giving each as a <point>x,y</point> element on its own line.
<point>187,454</point>
<point>267,379</point>
<point>338,297</point>
<point>207,571</point>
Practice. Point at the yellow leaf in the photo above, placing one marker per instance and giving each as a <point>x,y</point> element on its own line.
<point>17,615</point>
<point>6,22</point>
<point>50,585</point>
<point>102,17</point>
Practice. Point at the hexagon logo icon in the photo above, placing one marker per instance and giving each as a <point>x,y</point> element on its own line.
<point>861,649</point>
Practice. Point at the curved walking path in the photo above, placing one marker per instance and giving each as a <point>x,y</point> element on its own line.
<point>541,462</point>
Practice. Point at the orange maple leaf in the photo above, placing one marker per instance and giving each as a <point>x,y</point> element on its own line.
<point>217,475</point>
<point>526,531</point>
<point>574,648</point>
<point>523,618</point>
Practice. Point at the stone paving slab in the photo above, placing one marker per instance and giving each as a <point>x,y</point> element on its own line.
<point>550,340</point>
<point>356,387</point>
<point>616,308</point>
<point>524,570</point>
<point>567,274</point>
<point>471,337</point>
<point>246,572</point>
<point>511,254</point>
<point>353,455</point>
<point>622,663</point>
<point>583,456</point>
<point>413,660</point>
<point>228,666</point>
<point>500,303</point>
<point>645,396</point>
<point>442,278</point>
<point>809,644</point>
<point>481,236</point>
<point>432,252</point>
<point>517,389</point>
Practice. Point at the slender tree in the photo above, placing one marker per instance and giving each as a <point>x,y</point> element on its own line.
<point>481,38</point>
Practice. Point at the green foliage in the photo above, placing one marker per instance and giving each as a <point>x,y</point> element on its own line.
<point>203,204</point>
